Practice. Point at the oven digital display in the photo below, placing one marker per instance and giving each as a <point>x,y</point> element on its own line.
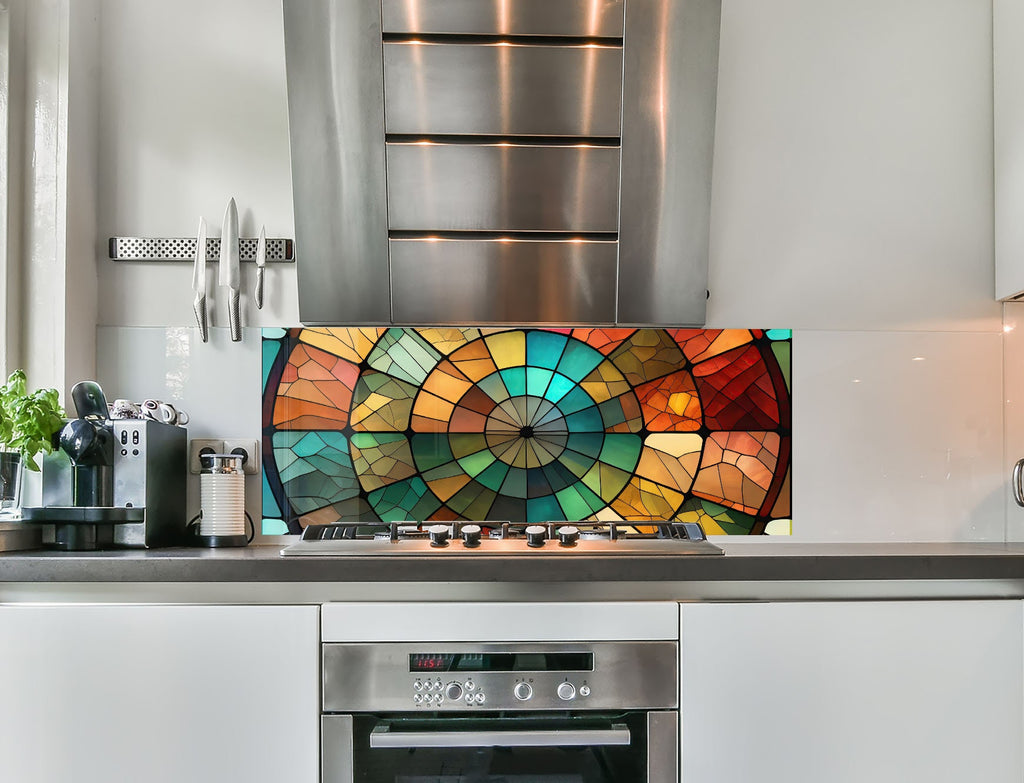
<point>502,662</point>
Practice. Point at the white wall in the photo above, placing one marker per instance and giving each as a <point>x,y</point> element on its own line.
<point>852,202</point>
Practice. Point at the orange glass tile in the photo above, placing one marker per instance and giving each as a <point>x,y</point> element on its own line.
<point>604,340</point>
<point>448,340</point>
<point>446,382</point>
<point>351,344</point>
<point>671,404</point>
<point>646,355</point>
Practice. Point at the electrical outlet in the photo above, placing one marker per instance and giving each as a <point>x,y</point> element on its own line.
<point>197,446</point>
<point>248,448</point>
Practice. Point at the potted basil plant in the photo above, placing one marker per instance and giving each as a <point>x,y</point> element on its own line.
<point>28,423</point>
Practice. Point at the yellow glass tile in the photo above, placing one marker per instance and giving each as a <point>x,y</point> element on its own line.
<point>352,344</point>
<point>444,488</point>
<point>448,340</point>
<point>508,348</point>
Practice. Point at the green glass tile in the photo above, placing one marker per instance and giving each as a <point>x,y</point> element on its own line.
<point>578,360</point>
<point>558,388</point>
<point>404,354</point>
<point>395,502</point>
<point>575,400</point>
<point>606,481</point>
<point>515,483</point>
<point>542,509</point>
<point>494,387</point>
<point>430,450</point>
<point>475,464</point>
<point>274,527</point>
<point>270,507</point>
<point>271,348</point>
<point>611,412</point>
<point>579,502</point>
<point>465,443</point>
<point>588,420</point>
<point>494,476</point>
<point>578,463</point>
<point>544,349</point>
<point>621,450</point>
<point>310,444</point>
<point>537,381</point>
<point>515,380</point>
<point>587,443</point>
<point>779,334</point>
<point>783,353</point>
<point>558,476</point>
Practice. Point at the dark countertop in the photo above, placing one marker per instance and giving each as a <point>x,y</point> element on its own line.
<point>744,561</point>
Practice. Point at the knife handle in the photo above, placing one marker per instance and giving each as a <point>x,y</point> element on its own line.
<point>258,293</point>
<point>199,305</point>
<point>234,317</point>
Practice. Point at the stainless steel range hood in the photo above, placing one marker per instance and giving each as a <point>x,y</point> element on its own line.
<point>502,161</point>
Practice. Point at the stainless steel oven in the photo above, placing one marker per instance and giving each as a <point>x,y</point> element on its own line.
<point>516,712</point>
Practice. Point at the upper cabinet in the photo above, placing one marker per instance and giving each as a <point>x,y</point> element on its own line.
<point>502,161</point>
<point>1008,125</point>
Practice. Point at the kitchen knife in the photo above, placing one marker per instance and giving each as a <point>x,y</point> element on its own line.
<point>261,262</point>
<point>229,274</point>
<point>199,281</point>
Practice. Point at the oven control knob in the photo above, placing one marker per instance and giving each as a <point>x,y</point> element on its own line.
<point>522,691</point>
<point>535,535</point>
<point>566,691</point>
<point>438,535</point>
<point>453,691</point>
<point>568,534</point>
<point>584,690</point>
<point>470,535</point>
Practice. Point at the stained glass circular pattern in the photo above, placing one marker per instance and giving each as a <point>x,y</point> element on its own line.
<point>526,425</point>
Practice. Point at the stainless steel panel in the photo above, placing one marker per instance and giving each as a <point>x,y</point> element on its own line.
<point>336,124</point>
<point>663,747</point>
<point>336,748</point>
<point>598,18</point>
<point>502,89</point>
<point>494,281</point>
<point>502,187</point>
<point>376,677</point>
<point>670,68</point>
<point>617,734</point>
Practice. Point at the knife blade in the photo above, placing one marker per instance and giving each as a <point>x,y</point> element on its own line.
<point>229,273</point>
<point>199,281</point>
<point>261,262</point>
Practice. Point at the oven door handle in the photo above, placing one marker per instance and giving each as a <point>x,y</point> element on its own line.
<point>383,737</point>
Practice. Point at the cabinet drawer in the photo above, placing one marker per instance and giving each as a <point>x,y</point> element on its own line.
<point>503,281</point>
<point>599,18</point>
<point>502,187</point>
<point>502,89</point>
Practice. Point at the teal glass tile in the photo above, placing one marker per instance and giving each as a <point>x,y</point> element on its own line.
<point>544,349</point>
<point>779,334</point>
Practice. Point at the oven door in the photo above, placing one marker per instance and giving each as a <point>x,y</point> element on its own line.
<point>631,747</point>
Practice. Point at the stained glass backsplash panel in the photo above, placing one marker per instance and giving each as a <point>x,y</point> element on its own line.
<point>527,425</point>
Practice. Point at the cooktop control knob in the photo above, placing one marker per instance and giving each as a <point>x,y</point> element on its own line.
<point>522,691</point>
<point>566,691</point>
<point>438,535</point>
<point>568,535</point>
<point>453,691</point>
<point>470,535</point>
<point>535,535</point>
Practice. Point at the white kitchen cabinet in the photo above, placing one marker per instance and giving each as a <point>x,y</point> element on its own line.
<point>161,694</point>
<point>849,692</point>
<point>1008,133</point>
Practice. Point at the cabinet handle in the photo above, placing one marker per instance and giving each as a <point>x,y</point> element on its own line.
<point>1018,486</point>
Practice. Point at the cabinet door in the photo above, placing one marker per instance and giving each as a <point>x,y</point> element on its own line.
<point>852,692</point>
<point>159,694</point>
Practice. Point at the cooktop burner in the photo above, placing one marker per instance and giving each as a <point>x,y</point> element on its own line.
<point>503,538</point>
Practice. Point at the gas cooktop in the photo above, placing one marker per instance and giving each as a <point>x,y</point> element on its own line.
<point>503,538</point>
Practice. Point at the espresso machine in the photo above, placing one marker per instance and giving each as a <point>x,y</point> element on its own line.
<point>112,483</point>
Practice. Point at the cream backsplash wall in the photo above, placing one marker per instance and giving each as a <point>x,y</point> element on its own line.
<point>852,202</point>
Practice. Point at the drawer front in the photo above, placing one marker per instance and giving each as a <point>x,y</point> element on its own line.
<point>597,18</point>
<point>502,89</point>
<point>502,187</point>
<point>496,281</point>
